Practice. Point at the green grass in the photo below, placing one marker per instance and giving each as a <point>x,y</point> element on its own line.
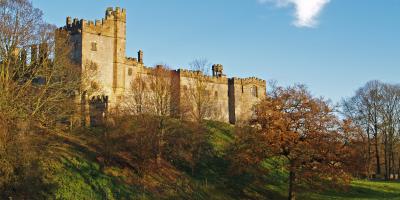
<point>77,174</point>
<point>364,190</point>
<point>275,182</point>
<point>358,190</point>
<point>221,135</point>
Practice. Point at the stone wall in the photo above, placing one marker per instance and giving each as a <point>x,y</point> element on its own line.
<point>101,46</point>
<point>244,93</point>
<point>216,87</point>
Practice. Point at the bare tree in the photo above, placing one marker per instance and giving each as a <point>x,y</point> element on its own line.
<point>37,91</point>
<point>375,107</point>
<point>390,126</point>
<point>137,97</point>
<point>198,101</point>
<point>160,103</point>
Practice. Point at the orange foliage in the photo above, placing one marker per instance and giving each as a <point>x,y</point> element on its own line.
<point>290,123</point>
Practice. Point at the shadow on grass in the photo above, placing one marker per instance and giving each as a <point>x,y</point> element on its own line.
<point>215,171</point>
<point>97,184</point>
<point>79,175</point>
<point>373,190</point>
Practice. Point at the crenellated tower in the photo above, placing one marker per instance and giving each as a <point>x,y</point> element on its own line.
<point>102,42</point>
<point>99,47</point>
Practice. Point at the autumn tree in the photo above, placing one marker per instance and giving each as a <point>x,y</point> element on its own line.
<point>357,160</point>
<point>304,130</point>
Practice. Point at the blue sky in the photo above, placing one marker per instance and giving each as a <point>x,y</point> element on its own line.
<point>332,46</point>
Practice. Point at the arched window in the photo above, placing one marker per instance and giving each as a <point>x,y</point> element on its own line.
<point>254,91</point>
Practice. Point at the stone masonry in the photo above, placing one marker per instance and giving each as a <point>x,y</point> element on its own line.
<point>101,45</point>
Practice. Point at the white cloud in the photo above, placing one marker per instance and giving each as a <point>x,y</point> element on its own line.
<point>307,11</point>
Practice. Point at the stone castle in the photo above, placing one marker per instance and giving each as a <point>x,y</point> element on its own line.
<point>103,43</point>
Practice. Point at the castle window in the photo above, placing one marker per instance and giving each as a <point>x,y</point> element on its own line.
<point>130,72</point>
<point>94,46</point>
<point>242,89</point>
<point>216,94</point>
<point>253,91</point>
<point>94,85</point>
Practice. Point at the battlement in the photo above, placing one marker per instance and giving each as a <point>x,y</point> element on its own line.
<point>248,81</point>
<point>198,74</point>
<point>97,26</point>
<point>187,72</point>
<point>116,14</point>
<point>131,61</point>
<point>72,25</point>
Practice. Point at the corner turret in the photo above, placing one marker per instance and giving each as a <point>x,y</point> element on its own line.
<point>117,14</point>
<point>217,70</point>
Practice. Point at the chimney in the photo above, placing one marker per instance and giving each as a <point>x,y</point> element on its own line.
<point>140,56</point>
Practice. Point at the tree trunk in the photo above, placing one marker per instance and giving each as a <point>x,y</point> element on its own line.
<point>378,166</point>
<point>385,154</point>
<point>192,168</point>
<point>398,169</point>
<point>159,152</point>
<point>392,165</point>
<point>160,143</point>
<point>292,179</point>
<point>369,153</point>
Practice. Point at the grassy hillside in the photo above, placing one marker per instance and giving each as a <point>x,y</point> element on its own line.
<point>75,172</point>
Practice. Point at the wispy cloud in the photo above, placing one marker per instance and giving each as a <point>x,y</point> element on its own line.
<point>306,11</point>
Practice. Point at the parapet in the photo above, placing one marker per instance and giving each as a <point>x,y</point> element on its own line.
<point>199,74</point>
<point>248,81</point>
<point>189,73</point>
<point>116,14</point>
<point>96,26</point>
<point>131,61</point>
<point>73,26</point>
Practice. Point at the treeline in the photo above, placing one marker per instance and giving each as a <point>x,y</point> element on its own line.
<point>375,109</point>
